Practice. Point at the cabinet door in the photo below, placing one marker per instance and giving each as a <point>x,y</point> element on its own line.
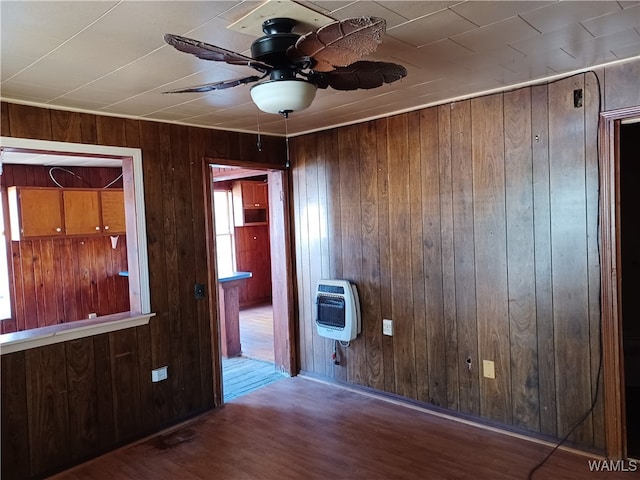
<point>260,195</point>
<point>113,220</point>
<point>40,212</point>
<point>81,212</point>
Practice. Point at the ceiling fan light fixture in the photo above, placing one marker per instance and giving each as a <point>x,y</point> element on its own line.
<point>283,96</point>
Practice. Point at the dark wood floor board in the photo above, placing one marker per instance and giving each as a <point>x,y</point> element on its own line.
<point>521,259</point>
<point>491,254</point>
<point>279,432</point>
<point>569,257</point>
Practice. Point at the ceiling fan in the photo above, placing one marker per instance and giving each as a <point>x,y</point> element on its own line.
<point>298,65</point>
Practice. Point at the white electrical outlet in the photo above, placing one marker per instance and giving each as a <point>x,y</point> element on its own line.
<point>159,374</point>
<point>93,315</point>
<point>387,327</point>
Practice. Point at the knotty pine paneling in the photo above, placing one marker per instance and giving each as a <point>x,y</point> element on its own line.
<point>65,403</point>
<point>479,240</point>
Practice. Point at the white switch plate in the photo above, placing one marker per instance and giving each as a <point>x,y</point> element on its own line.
<point>387,327</point>
<point>159,374</point>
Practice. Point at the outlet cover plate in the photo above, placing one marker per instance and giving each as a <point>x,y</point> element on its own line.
<point>159,374</point>
<point>488,369</point>
<point>387,327</point>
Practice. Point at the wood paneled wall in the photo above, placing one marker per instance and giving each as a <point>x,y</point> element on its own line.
<point>68,402</point>
<point>59,280</point>
<point>474,226</point>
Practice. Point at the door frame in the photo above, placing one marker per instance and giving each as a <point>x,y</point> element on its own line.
<point>610,277</point>
<point>281,268</point>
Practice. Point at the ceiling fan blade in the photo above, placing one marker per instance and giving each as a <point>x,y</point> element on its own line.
<point>208,87</point>
<point>339,44</point>
<point>363,74</point>
<point>206,51</point>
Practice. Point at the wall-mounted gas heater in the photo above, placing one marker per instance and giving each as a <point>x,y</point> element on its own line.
<point>338,310</point>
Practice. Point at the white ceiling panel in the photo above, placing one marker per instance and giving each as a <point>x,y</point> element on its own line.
<point>485,13</point>
<point>110,57</point>
<point>558,15</point>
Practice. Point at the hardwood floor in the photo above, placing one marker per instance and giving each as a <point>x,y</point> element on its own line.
<point>299,428</point>
<point>256,332</point>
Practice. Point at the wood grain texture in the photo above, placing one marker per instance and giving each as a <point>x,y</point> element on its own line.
<point>48,408</point>
<point>393,442</point>
<point>369,287</point>
<point>542,239</point>
<point>66,278</point>
<point>400,251</point>
<point>431,238</point>
<point>504,185</point>
<point>447,234</point>
<point>491,254</point>
<point>118,388</point>
<point>351,229</point>
<point>569,257</point>
<point>464,255</point>
<point>521,259</point>
<point>15,452</point>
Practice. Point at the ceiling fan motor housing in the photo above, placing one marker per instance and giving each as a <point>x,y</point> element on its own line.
<point>272,48</point>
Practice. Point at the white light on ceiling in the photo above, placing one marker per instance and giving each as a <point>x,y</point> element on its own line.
<point>283,96</point>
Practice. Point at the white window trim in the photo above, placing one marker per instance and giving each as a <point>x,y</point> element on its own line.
<point>141,308</point>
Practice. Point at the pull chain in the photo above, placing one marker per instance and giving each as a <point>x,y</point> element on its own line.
<point>259,142</point>
<point>286,139</point>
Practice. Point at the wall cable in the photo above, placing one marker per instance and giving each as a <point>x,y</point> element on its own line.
<point>66,170</point>
<point>594,400</point>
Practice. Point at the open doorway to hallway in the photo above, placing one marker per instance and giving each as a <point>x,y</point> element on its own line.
<point>244,249</point>
<point>630,262</point>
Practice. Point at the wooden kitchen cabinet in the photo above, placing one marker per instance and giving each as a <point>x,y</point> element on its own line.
<point>81,212</point>
<point>52,212</point>
<point>35,212</point>
<point>250,203</point>
<point>113,219</point>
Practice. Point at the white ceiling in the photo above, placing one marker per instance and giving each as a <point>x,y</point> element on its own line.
<point>109,57</point>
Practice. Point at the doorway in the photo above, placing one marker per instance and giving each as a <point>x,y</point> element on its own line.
<point>629,151</point>
<point>617,238</point>
<point>250,223</point>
